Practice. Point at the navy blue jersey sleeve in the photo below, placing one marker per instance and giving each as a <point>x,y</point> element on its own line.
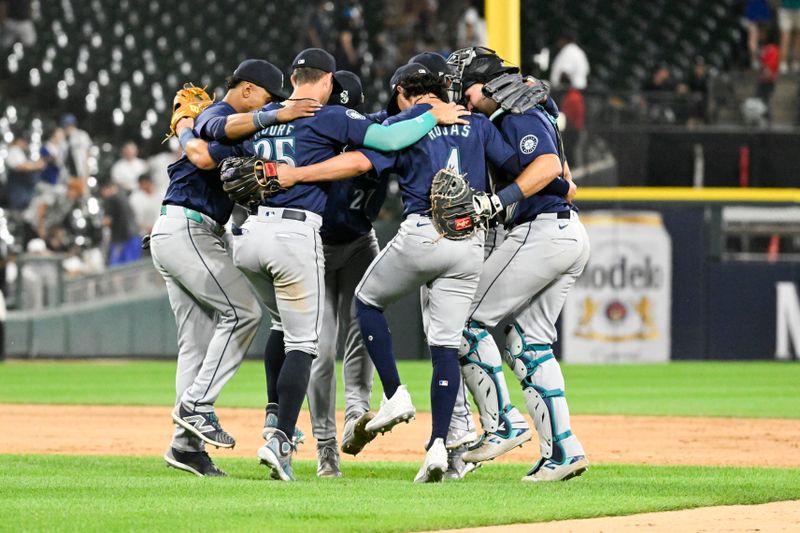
<point>498,151</point>
<point>345,126</point>
<point>531,136</point>
<point>381,161</point>
<point>378,116</point>
<point>210,124</point>
<point>219,151</point>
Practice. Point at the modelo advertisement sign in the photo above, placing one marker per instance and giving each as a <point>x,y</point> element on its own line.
<point>619,309</point>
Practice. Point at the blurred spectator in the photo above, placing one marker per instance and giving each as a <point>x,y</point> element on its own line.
<point>319,26</point>
<point>23,173</point>
<point>471,30</point>
<point>699,89</point>
<point>351,42</point>
<point>53,156</point>
<point>73,210</point>
<point>16,23</point>
<point>125,243</point>
<point>789,23</point>
<point>146,204</point>
<point>770,61</point>
<point>757,15</point>
<point>574,109</point>
<point>77,144</point>
<point>570,60</point>
<point>158,164</point>
<point>126,171</point>
<point>659,96</point>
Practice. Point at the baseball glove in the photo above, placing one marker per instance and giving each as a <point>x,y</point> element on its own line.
<point>188,102</point>
<point>514,94</point>
<point>248,180</point>
<point>452,208</point>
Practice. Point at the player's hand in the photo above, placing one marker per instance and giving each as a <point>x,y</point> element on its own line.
<point>449,113</point>
<point>573,190</point>
<point>287,175</point>
<point>530,81</point>
<point>294,109</point>
<point>185,122</point>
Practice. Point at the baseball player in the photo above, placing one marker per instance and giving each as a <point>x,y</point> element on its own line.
<point>215,310</point>
<point>527,278</point>
<point>233,128</point>
<point>350,245</point>
<point>418,255</point>
<point>280,250</point>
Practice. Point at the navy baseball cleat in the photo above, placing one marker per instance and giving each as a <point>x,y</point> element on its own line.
<point>197,463</point>
<point>355,435</point>
<point>204,425</point>
<point>277,455</point>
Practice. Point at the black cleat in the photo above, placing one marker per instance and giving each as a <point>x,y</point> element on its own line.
<point>197,463</point>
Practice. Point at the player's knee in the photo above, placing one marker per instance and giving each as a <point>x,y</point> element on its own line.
<point>363,307</point>
<point>250,315</point>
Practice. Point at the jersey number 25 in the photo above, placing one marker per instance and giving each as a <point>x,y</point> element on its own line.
<point>280,149</point>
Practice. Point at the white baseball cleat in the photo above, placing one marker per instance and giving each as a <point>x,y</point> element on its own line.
<point>393,410</point>
<point>547,470</point>
<point>493,445</point>
<point>435,464</point>
<point>459,437</point>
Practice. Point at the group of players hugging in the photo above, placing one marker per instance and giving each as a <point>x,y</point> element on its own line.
<point>273,202</point>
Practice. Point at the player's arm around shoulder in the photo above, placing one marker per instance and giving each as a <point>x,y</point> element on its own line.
<point>343,166</point>
<point>199,152</point>
<point>241,125</point>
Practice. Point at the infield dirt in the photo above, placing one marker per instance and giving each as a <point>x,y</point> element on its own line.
<point>107,430</point>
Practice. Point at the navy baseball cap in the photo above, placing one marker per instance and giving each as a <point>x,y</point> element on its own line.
<point>264,74</point>
<point>315,58</point>
<point>397,78</point>
<point>434,62</point>
<point>351,94</point>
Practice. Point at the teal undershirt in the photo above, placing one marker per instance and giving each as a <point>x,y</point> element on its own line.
<point>400,134</point>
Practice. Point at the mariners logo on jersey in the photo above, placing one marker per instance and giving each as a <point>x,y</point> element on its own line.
<point>528,144</point>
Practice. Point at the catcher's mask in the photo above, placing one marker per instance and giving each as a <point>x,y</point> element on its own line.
<point>473,65</point>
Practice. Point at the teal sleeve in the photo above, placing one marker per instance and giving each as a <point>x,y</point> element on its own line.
<point>400,134</point>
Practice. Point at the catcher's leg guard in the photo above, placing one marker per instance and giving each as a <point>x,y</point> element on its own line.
<point>482,369</point>
<point>543,388</point>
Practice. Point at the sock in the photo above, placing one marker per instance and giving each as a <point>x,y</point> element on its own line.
<point>292,385</point>
<point>274,356</point>
<point>445,383</point>
<point>378,340</point>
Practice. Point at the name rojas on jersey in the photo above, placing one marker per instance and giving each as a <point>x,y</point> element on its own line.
<point>461,130</point>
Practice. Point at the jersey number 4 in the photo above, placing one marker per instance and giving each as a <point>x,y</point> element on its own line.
<point>280,149</point>
<point>454,161</point>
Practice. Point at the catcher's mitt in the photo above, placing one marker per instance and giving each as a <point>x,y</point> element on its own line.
<point>514,94</point>
<point>248,180</point>
<point>189,102</point>
<point>452,209</point>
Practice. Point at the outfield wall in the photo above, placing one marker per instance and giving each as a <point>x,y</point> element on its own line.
<point>715,309</point>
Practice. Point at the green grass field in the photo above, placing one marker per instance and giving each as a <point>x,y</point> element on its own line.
<point>73,493</point>
<point>687,389</point>
<point>55,493</point>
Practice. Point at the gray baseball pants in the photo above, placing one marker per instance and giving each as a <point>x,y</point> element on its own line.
<point>215,309</point>
<point>345,265</point>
